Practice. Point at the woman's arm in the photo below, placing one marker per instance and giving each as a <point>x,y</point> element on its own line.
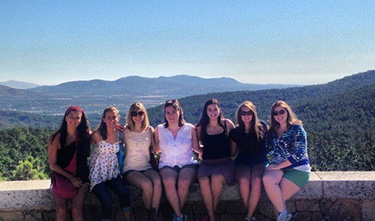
<point>195,142</point>
<point>157,149</point>
<point>299,145</point>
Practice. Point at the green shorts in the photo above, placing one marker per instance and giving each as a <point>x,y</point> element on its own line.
<point>300,178</point>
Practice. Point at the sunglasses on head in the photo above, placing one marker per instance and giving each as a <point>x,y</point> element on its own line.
<point>281,112</point>
<point>170,101</point>
<point>244,113</point>
<point>134,114</point>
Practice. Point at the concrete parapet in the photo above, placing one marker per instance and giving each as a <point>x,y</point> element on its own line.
<point>328,196</point>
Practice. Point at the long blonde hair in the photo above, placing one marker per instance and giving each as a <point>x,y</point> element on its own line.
<point>136,107</point>
<point>291,119</point>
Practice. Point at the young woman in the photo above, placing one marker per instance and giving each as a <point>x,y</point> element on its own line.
<point>176,140</point>
<point>137,169</point>
<point>251,160</point>
<point>68,150</point>
<point>289,168</point>
<point>217,166</point>
<point>104,166</point>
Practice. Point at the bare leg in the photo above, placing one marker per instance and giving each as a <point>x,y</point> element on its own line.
<point>205,185</point>
<point>288,189</point>
<point>217,181</point>
<point>271,180</point>
<point>141,181</point>
<point>61,208</point>
<point>157,188</point>
<point>169,178</point>
<point>185,178</point>
<point>78,201</point>
<point>243,178</point>
<point>256,188</point>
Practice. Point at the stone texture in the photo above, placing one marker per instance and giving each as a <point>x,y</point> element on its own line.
<point>345,210</point>
<point>317,216</point>
<point>307,205</point>
<point>368,210</point>
<point>303,216</point>
<point>11,216</point>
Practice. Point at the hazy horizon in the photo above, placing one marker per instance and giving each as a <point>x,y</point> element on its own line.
<point>268,42</point>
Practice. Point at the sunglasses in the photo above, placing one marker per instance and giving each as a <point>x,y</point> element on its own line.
<point>281,112</point>
<point>170,101</point>
<point>244,113</point>
<point>134,114</point>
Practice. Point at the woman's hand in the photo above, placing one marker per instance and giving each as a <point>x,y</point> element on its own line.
<point>77,182</point>
<point>273,167</point>
<point>120,127</point>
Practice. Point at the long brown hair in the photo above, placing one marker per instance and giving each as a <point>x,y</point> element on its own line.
<point>255,125</point>
<point>82,129</point>
<point>103,126</point>
<point>291,119</point>
<point>205,119</point>
<point>176,105</point>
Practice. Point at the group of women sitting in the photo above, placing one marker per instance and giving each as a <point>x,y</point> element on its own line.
<point>214,152</point>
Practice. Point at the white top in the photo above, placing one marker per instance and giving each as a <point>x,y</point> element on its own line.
<point>104,163</point>
<point>176,152</point>
<point>137,150</point>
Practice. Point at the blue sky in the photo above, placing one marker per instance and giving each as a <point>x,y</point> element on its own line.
<point>299,42</point>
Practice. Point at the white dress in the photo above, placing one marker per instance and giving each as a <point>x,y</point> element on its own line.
<point>176,152</point>
<point>104,163</point>
<point>137,151</point>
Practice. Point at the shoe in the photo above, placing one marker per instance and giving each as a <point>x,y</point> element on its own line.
<point>284,216</point>
<point>183,217</point>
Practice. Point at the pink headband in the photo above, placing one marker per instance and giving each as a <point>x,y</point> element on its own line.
<point>76,108</point>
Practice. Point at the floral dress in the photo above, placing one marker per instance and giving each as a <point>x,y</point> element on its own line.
<point>104,163</point>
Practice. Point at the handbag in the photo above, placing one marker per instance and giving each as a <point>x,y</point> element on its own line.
<point>154,159</point>
<point>120,154</point>
<point>61,185</point>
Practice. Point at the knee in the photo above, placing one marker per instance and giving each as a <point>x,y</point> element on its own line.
<point>147,186</point>
<point>217,179</point>
<point>243,180</point>
<point>183,184</point>
<point>268,179</point>
<point>169,183</point>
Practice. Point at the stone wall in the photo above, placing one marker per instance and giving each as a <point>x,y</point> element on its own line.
<point>328,196</point>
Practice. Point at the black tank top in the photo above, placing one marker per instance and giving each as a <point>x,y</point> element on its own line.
<point>65,155</point>
<point>216,146</point>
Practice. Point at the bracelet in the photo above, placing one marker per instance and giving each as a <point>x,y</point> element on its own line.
<point>70,178</point>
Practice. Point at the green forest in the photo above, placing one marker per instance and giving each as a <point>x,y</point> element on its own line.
<point>339,118</point>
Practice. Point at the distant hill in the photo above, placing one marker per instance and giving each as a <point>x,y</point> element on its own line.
<point>95,95</point>
<point>175,86</point>
<point>19,84</point>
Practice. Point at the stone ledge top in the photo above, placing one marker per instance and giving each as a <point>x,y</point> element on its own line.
<point>322,185</point>
<point>315,176</point>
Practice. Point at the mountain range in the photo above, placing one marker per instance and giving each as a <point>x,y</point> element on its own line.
<point>19,84</point>
<point>95,95</point>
